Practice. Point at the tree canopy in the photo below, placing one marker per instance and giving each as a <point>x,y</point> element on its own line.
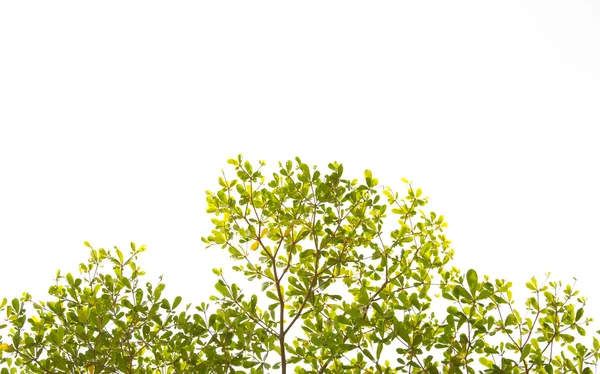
<point>333,275</point>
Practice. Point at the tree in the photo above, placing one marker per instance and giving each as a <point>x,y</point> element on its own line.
<point>99,323</point>
<point>332,290</point>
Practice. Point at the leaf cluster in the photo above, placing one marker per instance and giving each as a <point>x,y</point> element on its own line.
<point>340,276</point>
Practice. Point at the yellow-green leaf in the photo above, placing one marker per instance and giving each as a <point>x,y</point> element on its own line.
<point>264,232</point>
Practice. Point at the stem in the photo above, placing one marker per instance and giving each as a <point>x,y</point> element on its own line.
<point>282,331</point>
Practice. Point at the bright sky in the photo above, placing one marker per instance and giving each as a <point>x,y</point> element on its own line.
<point>115,117</point>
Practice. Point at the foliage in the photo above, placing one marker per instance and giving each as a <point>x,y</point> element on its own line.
<point>101,323</point>
<point>346,277</point>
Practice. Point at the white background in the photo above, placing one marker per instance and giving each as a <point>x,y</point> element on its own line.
<point>115,116</point>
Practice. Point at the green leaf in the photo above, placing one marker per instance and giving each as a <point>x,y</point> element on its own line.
<point>510,320</point>
<point>158,291</point>
<point>525,351</point>
<point>342,319</point>
<point>266,285</point>
<point>403,333</point>
<point>567,338</point>
<point>176,302</point>
<point>271,295</point>
<point>379,350</point>
<point>222,288</point>
<point>363,296</point>
<point>369,178</point>
<point>472,281</point>
<point>579,314</point>
<point>219,237</point>
<point>248,167</point>
<point>460,291</point>
<point>378,309</point>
